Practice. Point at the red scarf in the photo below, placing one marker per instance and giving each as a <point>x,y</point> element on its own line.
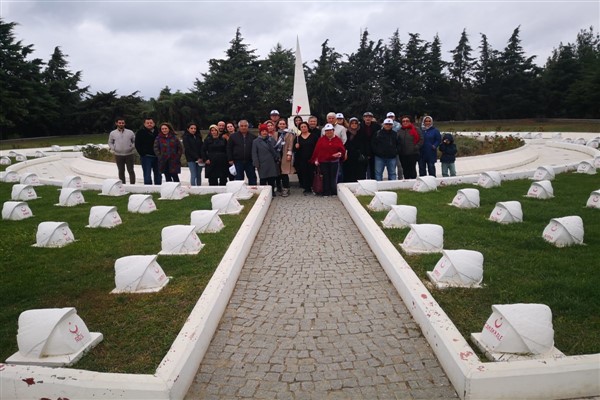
<point>412,131</point>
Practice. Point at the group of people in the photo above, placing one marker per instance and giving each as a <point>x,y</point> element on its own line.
<point>340,151</point>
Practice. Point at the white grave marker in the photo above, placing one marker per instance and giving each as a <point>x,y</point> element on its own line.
<point>383,201</point>
<point>139,274</point>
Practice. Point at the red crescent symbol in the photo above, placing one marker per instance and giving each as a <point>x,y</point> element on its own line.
<point>76,331</point>
<point>535,189</point>
<point>496,324</point>
<point>157,270</point>
<point>554,227</point>
<point>498,212</point>
<point>596,199</point>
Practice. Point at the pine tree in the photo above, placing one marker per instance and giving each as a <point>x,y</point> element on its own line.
<point>278,81</point>
<point>230,89</point>
<point>322,85</point>
<point>461,70</point>
<point>393,80</point>
<point>435,82</point>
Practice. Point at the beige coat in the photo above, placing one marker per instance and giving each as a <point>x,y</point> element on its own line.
<point>287,163</point>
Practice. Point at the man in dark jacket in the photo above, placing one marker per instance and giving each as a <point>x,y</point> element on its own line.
<point>384,145</point>
<point>144,144</point>
<point>369,128</point>
<point>239,153</point>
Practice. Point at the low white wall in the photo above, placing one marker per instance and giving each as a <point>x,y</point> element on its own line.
<point>176,371</point>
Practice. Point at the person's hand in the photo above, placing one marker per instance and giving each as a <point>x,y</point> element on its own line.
<point>297,145</point>
<point>207,162</point>
<point>230,162</point>
<point>316,163</point>
<point>337,155</point>
<point>288,157</point>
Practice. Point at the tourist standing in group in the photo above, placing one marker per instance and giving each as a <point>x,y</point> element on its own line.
<point>410,144</point>
<point>448,157</point>
<point>168,149</point>
<point>265,158</point>
<point>214,154</point>
<point>328,154</point>
<point>221,128</point>
<point>396,128</point>
<point>385,148</point>
<point>369,128</point>
<point>296,127</point>
<point>144,144</point>
<point>230,129</point>
<point>239,153</point>
<point>339,129</point>
<point>192,145</point>
<point>285,146</point>
<point>121,143</point>
<point>313,126</point>
<point>304,146</point>
<point>274,117</point>
<point>431,141</point>
<point>358,148</point>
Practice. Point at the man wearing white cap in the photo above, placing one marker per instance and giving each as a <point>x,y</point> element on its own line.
<point>385,146</point>
<point>274,116</point>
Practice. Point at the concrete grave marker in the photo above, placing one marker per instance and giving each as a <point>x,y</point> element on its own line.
<point>239,189</point>
<point>172,191</point>
<point>70,197</point>
<point>16,210</point>
<point>594,199</point>
<point>104,217</point>
<point>425,184</point>
<point>507,212</point>
<point>423,238</point>
<point>206,221</point>
<point>225,203</point>
<point>141,203</point>
<point>489,179</point>
<point>400,216</point>
<point>52,337</point>
<point>466,198</point>
<point>366,187</point>
<point>458,268</point>
<point>544,173</point>
<point>139,274</point>
<point>565,231</point>
<point>180,239</point>
<point>72,181</point>
<point>383,201</point>
<point>541,190</point>
<point>53,234</point>
<point>586,167</point>
<point>23,192</point>
<point>29,178</point>
<point>113,187</point>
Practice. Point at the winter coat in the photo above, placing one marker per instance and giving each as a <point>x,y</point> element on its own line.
<point>239,147</point>
<point>448,150</point>
<point>265,158</point>
<point>144,141</point>
<point>215,151</point>
<point>431,140</point>
<point>410,140</point>
<point>168,149</point>
<point>287,166</point>
<point>384,144</point>
<point>192,145</point>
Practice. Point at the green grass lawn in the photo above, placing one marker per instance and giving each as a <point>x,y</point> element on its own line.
<point>138,329</point>
<point>519,266</point>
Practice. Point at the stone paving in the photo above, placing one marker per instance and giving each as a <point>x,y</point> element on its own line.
<point>313,316</point>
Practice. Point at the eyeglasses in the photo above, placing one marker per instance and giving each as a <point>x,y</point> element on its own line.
<point>406,120</point>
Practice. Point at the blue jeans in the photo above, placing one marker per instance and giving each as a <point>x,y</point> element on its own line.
<point>448,167</point>
<point>149,167</point>
<point>195,173</point>
<point>427,164</point>
<point>389,164</point>
<point>245,167</point>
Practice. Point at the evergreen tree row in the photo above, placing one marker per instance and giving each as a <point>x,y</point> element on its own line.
<point>41,99</point>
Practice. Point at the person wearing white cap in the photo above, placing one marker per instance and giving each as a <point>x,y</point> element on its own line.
<point>328,154</point>
<point>396,125</point>
<point>385,147</point>
<point>274,117</point>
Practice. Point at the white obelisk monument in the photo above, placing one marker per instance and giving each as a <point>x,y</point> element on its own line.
<point>300,105</point>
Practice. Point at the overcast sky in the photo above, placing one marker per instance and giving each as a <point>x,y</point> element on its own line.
<point>145,45</point>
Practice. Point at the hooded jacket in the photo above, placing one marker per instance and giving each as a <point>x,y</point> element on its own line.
<point>448,149</point>
<point>431,140</point>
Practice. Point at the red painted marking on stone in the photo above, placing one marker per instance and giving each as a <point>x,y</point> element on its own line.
<point>29,381</point>
<point>423,296</point>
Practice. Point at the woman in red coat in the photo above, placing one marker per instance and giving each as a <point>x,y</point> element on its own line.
<point>328,154</point>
